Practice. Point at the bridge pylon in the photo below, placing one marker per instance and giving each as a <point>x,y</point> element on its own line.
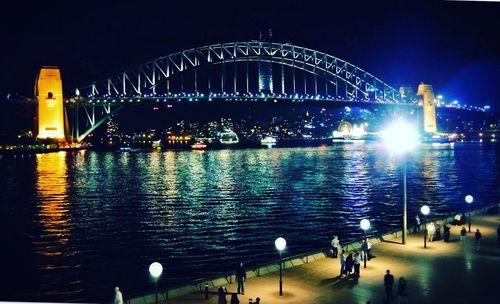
<point>429,107</point>
<point>48,91</point>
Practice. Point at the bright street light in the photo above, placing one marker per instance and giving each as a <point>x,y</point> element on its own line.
<point>365,224</point>
<point>400,138</point>
<point>425,211</point>
<point>280,244</point>
<point>469,199</point>
<point>155,270</point>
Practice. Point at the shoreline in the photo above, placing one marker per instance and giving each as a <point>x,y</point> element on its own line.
<point>293,143</point>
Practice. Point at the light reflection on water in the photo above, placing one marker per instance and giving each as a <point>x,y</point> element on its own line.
<point>96,220</point>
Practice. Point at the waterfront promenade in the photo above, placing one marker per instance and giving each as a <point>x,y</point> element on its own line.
<point>441,273</point>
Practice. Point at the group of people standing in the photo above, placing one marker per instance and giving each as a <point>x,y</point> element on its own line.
<point>350,261</point>
<point>434,231</point>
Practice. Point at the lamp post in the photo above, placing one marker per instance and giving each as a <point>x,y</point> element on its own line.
<point>280,244</point>
<point>425,211</point>
<point>401,138</point>
<point>469,199</point>
<point>155,270</point>
<point>365,225</point>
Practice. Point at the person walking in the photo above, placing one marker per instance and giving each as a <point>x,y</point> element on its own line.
<point>402,293</point>
<point>388,283</point>
<point>478,237</point>
<point>438,232</point>
<point>364,248</point>
<point>356,263</point>
<point>234,299</point>
<point>431,229</point>
<point>335,246</point>
<point>416,228</point>
<point>463,233</point>
<point>446,233</point>
<point>349,263</point>
<point>342,263</point>
<point>241,276</point>
<point>118,296</point>
<point>369,251</point>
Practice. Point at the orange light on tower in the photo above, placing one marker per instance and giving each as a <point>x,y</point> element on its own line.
<point>48,90</point>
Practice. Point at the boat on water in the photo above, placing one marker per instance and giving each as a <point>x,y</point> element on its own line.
<point>200,145</point>
<point>269,140</point>
<point>437,138</point>
<point>129,149</point>
<point>156,144</point>
<point>228,138</point>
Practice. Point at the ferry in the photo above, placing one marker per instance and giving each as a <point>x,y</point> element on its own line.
<point>129,149</point>
<point>438,138</point>
<point>156,144</point>
<point>228,138</point>
<point>269,140</point>
<point>200,145</point>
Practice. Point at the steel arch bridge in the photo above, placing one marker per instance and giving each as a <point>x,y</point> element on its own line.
<point>235,71</point>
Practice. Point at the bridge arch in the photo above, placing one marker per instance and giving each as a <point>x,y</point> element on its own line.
<point>349,81</point>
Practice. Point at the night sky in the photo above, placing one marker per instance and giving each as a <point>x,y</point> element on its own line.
<point>455,46</point>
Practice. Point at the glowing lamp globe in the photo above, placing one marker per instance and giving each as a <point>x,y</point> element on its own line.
<point>365,224</point>
<point>280,243</point>
<point>469,199</point>
<point>155,269</point>
<point>425,209</point>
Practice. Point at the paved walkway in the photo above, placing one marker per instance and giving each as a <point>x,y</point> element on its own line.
<point>442,273</point>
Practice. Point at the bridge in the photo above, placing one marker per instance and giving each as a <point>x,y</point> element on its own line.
<point>236,71</point>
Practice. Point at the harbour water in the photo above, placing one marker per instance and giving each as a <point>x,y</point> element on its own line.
<point>77,224</point>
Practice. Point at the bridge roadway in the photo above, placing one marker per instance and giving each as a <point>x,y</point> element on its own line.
<point>443,273</point>
<point>189,98</point>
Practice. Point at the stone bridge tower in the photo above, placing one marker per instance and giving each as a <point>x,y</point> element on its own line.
<point>48,90</point>
<point>429,107</point>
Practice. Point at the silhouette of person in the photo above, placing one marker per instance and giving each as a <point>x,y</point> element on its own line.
<point>388,283</point>
<point>221,296</point>
<point>234,299</point>
<point>241,276</point>
<point>402,293</point>
<point>478,236</point>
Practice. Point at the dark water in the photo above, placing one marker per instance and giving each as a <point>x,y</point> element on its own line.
<point>76,225</point>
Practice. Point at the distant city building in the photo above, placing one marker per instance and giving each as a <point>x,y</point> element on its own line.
<point>112,131</point>
<point>407,93</point>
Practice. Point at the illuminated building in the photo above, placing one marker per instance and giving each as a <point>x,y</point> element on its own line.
<point>112,132</point>
<point>48,89</point>
<point>407,93</point>
<point>429,107</point>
